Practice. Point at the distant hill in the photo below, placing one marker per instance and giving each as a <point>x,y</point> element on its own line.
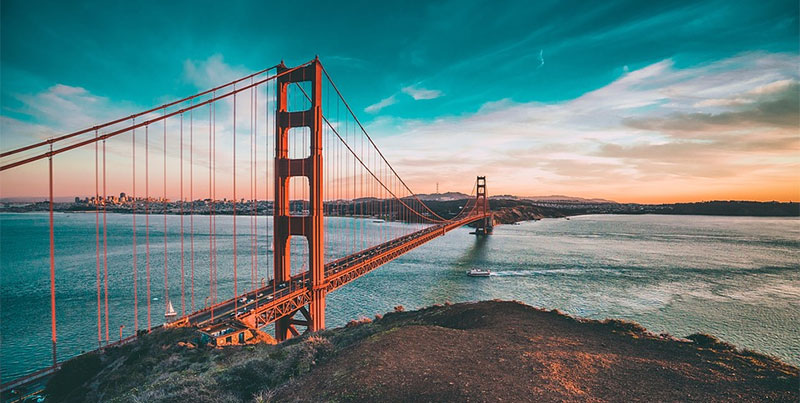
<point>731,208</point>
<point>35,199</point>
<point>568,199</point>
<point>444,196</point>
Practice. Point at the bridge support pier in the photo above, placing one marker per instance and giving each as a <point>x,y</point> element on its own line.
<point>309,226</point>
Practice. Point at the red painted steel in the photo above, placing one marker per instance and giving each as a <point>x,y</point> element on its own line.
<point>286,224</point>
<point>82,143</point>
<point>484,227</point>
<point>52,269</point>
<point>113,122</point>
<point>235,255</point>
<point>361,185</point>
<point>134,252</point>
<point>105,243</point>
<point>265,310</point>
<point>164,204</point>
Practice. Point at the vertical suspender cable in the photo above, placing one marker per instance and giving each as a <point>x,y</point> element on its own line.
<point>164,203</point>
<point>133,213</point>
<point>105,241</point>
<point>97,236</point>
<point>52,266</point>
<point>252,257</point>
<point>147,217</point>
<point>254,113</point>
<point>213,210</point>
<point>191,200</point>
<point>267,162</point>
<point>183,276</point>
<point>269,152</point>
<point>214,174</point>
<point>210,203</point>
<point>235,293</point>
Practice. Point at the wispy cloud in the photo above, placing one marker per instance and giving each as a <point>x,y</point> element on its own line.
<point>727,129</point>
<point>347,61</point>
<point>376,107</point>
<point>724,129</point>
<point>62,109</point>
<point>211,72</point>
<point>421,93</point>
<point>413,91</point>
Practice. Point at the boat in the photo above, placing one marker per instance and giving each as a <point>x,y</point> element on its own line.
<point>378,220</point>
<point>479,273</point>
<point>170,310</point>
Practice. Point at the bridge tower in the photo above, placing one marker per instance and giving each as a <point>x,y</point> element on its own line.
<point>486,225</point>
<point>309,226</point>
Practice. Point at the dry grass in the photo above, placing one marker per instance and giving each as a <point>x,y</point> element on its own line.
<point>486,351</point>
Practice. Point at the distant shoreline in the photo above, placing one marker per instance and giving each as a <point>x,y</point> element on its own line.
<point>506,211</point>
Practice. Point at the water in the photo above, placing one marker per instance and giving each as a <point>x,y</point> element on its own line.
<point>734,277</point>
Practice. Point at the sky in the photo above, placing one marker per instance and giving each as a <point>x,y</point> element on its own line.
<point>624,100</point>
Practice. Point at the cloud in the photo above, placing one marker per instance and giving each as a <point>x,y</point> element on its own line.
<point>753,95</point>
<point>772,105</point>
<point>211,72</point>
<point>413,91</point>
<point>421,93</point>
<point>727,129</point>
<point>63,109</point>
<point>376,107</point>
<point>60,109</point>
<point>347,61</point>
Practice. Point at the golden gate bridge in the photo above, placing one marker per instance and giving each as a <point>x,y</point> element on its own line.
<point>306,155</point>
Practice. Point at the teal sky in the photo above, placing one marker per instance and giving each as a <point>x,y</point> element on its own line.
<point>406,67</point>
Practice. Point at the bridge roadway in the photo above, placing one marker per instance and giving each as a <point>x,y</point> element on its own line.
<point>267,304</point>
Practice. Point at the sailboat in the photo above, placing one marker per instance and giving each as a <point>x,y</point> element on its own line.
<point>170,310</point>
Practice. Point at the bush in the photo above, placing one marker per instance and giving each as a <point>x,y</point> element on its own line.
<point>624,325</point>
<point>709,341</point>
<point>69,380</point>
<point>360,321</point>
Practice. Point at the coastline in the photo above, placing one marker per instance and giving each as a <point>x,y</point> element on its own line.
<point>506,210</point>
<point>489,350</point>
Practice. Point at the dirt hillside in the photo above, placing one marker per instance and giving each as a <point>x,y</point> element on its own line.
<point>506,351</point>
<point>476,352</point>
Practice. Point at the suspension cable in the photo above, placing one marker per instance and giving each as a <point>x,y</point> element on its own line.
<point>390,191</point>
<point>355,118</point>
<point>136,115</point>
<point>147,122</point>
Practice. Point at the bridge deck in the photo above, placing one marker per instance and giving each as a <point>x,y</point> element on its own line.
<point>267,304</point>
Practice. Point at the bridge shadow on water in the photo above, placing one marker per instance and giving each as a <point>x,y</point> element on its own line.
<point>453,284</point>
<point>475,255</point>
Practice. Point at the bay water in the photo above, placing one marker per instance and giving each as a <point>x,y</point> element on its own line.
<point>737,278</point>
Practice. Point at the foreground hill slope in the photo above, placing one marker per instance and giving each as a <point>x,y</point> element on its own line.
<point>487,351</point>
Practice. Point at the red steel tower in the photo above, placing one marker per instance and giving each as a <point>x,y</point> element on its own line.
<point>309,225</point>
<point>485,226</point>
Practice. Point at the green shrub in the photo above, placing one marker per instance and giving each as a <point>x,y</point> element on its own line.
<point>68,382</point>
